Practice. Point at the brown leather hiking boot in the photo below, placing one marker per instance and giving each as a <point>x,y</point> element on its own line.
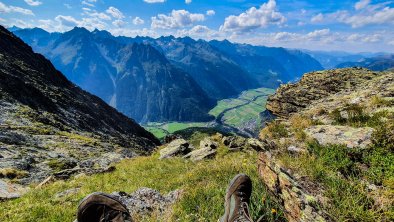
<point>237,200</point>
<point>101,207</point>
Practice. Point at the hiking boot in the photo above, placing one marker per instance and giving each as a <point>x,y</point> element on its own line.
<point>237,200</point>
<point>101,207</point>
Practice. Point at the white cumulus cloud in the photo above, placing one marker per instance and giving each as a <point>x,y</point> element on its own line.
<point>211,12</point>
<point>95,14</point>
<point>177,19</point>
<point>372,16</point>
<point>11,9</point>
<point>67,20</point>
<point>118,23</point>
<point>138,21</point>
<point>254,18</point>
<point>188,1</point>
<point>33,3</point>
<point>116,13</point>
<point>317,18</point>
<point>361,4</point>
<point>317,34</point>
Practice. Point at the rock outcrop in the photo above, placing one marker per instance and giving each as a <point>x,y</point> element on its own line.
<point>299,204</point>
<point>292,98</point>
<point>345,135</point>
<point>207,149</point>
<point>177,147</point>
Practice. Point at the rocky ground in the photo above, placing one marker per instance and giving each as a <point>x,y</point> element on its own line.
<point>333,159</point>
<point>50,127</point>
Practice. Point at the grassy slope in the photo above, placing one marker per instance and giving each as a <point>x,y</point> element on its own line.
<point>204,184</point>
<point>342,173</point>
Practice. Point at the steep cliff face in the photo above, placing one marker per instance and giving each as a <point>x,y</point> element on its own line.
<point>161,92</point>
<point>217,74</point>
<point>134,78</point>
<point>269,65</point>
<point>291,98</point>
<point>44,116</point>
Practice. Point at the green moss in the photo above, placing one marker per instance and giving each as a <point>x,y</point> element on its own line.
<point>80,138</point>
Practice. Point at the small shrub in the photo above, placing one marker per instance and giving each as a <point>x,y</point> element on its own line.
<point>377,101</point>
<point>12,173</point>
<point>274,130</point>
<point>357,117</point>
<point>337,117</point>
<point>61,164</point>
<point>383,136</point>
<point>300,122</point>
<point>321,112</point>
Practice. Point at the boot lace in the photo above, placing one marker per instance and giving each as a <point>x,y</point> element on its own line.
<point>243,213</point>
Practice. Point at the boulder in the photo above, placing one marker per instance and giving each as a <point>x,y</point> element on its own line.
<point>176,147</point>
<point>201,154</point>
<point>11,191</point>
<point>234,142</point>
<point>298,203</point>
<point>208,143</point>
<point>207,150</point>
<point>67,193</point>
<point>295,150</point>
<point>146,201</point>
<point>345,135</point>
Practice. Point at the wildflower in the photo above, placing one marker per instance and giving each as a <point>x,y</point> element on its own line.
<point>273,211</point>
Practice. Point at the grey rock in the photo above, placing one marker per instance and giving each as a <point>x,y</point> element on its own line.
<point>295,150</point>
<point>345,135</point>
<point>146,201</point>
<point>67,193</point>
<point>176,147</point>
<point>200,154</point>
<point>257,144</point>
<point>208,143</point>
<point>10,191</point>
<point>234,142</point>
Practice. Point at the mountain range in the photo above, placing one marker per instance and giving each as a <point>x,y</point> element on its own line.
<point>29,80</point>
<point>379,63</point>
<point>167,78</point>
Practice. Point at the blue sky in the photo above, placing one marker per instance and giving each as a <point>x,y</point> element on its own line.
<point>356,26</point>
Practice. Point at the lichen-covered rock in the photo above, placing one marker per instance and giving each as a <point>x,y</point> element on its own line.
<point>176,147</point>
<point>207,150</point>
<point>200,154</point>
<point>298,203</point>
<point>146,201</point>
<point>11,191</point>
<point>208,143</point>
<point>292,98</point>
<point>345,135</point>
<point>234,142</point>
